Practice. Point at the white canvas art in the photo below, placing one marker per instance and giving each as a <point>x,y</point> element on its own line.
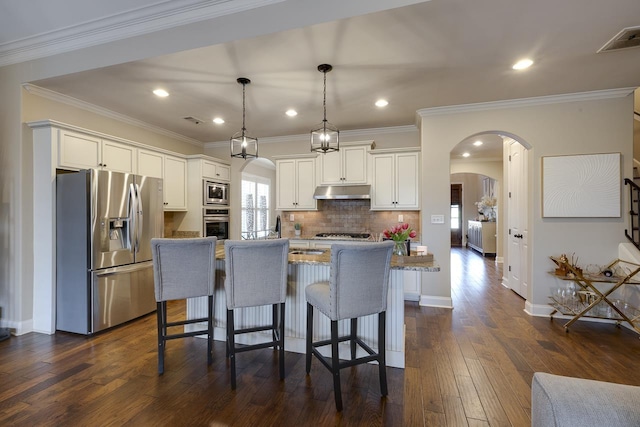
<point>581,186</point>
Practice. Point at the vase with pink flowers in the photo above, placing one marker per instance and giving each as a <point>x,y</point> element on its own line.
<point>399,234</point>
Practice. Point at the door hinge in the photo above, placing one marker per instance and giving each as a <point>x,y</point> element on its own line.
<point>509,268</point>
<point>509,232</point>
<point>509,194</point>
<point>509,157</point>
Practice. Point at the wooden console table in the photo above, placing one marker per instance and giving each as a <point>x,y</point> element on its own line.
<point>587,282</point>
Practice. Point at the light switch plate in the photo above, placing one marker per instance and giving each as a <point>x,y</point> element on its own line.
<point>291,217</point>
<point>400,218</point>
<point>437,219</point>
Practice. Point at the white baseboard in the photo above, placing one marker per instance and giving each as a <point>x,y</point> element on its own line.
<point>544,310</point>
<point>21,328</point>
<point>431,301</point>
<point>499,260</point>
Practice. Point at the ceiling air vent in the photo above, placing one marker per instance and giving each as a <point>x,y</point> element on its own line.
<point>625,39</point>
<point>194,120</point>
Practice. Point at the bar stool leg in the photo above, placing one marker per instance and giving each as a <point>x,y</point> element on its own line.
<point>354,336</point>
<point>335,365</point>
<point>231,347</point>
<point>309,335</point>
<point>382,350</point>
<point>210,332</point>
<point>281,341</point>
<point>161,334</point>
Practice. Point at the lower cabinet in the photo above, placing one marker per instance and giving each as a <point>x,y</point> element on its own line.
<point>481,236</point>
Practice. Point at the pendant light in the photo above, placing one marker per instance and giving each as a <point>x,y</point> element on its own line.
<point>243,145</point>
<point>325,136</point>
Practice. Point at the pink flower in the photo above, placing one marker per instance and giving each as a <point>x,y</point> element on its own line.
<point>400,232</point>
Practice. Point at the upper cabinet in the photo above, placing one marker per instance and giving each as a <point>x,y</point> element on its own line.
<point>150,163</point>
<point>295,184</point>
<point>173,170</point>
<point>347,166</point>
<point>394,180</point>
<point>175,183</point>
<point>82,151</point>
<point>216,171</point>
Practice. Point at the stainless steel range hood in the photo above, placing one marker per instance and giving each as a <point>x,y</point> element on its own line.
<point>330,192</point>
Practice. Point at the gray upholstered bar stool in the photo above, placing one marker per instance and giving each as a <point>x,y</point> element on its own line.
<point>358,287</point>
<point>183,268</point>
<point>256,275</point>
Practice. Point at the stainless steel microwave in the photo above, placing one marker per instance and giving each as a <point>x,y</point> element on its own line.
<point>215,193</point>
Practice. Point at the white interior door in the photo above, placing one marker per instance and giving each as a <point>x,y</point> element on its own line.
<point>518,268</point>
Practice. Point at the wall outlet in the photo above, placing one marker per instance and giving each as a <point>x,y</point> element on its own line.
<point>400,218</point>
<point>291,217</point>
<point>437,219</point>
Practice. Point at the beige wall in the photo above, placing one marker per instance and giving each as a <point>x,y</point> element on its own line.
<point>555,128</point>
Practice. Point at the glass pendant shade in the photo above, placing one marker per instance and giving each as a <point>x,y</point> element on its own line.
<point>243,145</point>
<point>325,137</point>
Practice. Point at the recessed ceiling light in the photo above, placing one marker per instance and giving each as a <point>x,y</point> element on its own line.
<point>291,113</point>
<point>523,64</point>
<point>382,103</point>
<point>477,143</point>
<point>218,120</point>
<point>161,93</point>
<point>465,154</point>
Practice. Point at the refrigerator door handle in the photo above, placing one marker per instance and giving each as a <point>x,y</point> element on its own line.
<point>133,216</point>
<point>140,218</point>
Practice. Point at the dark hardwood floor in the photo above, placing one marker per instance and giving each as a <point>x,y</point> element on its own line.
<point>468,366</point>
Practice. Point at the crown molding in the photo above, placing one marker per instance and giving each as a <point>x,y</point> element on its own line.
<point>527,102</point>
<point>144,20</point>
<point>74,102</point>
<point>305,136</point>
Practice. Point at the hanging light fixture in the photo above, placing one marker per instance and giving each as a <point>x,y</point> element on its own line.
<point>325,136</point>
<point>243,145</point>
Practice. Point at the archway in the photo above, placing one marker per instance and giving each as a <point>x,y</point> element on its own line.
<point>493,166</point>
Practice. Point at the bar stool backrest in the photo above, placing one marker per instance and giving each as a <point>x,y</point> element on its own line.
<point>256,272</point>
<point>183,268</point>
<point>359,279</point>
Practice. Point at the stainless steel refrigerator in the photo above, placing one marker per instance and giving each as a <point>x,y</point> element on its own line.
<point>105,221</point>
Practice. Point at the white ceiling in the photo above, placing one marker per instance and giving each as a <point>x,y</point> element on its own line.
<point>436,53</point>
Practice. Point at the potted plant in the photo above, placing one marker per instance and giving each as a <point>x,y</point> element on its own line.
<point>297,228</point>
<point>399,234</point>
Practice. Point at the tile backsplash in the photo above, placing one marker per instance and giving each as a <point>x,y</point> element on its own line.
<point>346,216</point>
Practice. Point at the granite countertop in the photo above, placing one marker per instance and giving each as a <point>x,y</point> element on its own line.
<point>397,263</point>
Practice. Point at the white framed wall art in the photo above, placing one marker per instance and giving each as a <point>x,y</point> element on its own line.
<point>581,186</point>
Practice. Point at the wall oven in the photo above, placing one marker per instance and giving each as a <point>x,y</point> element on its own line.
<point>215,223</point>
<point>215,193</point>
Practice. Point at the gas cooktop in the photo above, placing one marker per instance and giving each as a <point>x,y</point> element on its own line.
<point>343,236</point>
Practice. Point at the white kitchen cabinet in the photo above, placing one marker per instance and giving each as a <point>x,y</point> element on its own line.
<point>347,166</point>
<point>82,151</point>
<point>175,183</point>
<point>173,171</point>
<point>216,171</point>
<point>150,163</point>
<point>394,181</point>
<point>295,184</point>
<point>118,157</point>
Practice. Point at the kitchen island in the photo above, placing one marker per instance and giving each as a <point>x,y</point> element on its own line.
<point>304,269</point>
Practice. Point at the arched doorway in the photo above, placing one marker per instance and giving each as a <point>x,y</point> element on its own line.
<point>500,161</point>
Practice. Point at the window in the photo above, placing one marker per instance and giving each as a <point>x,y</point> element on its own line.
<point>255,207</point>
<point>455,217</point>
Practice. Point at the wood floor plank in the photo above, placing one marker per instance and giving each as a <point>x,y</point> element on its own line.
<point>472,365</point>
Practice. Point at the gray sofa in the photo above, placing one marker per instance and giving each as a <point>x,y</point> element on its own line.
<point>564,401</point>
